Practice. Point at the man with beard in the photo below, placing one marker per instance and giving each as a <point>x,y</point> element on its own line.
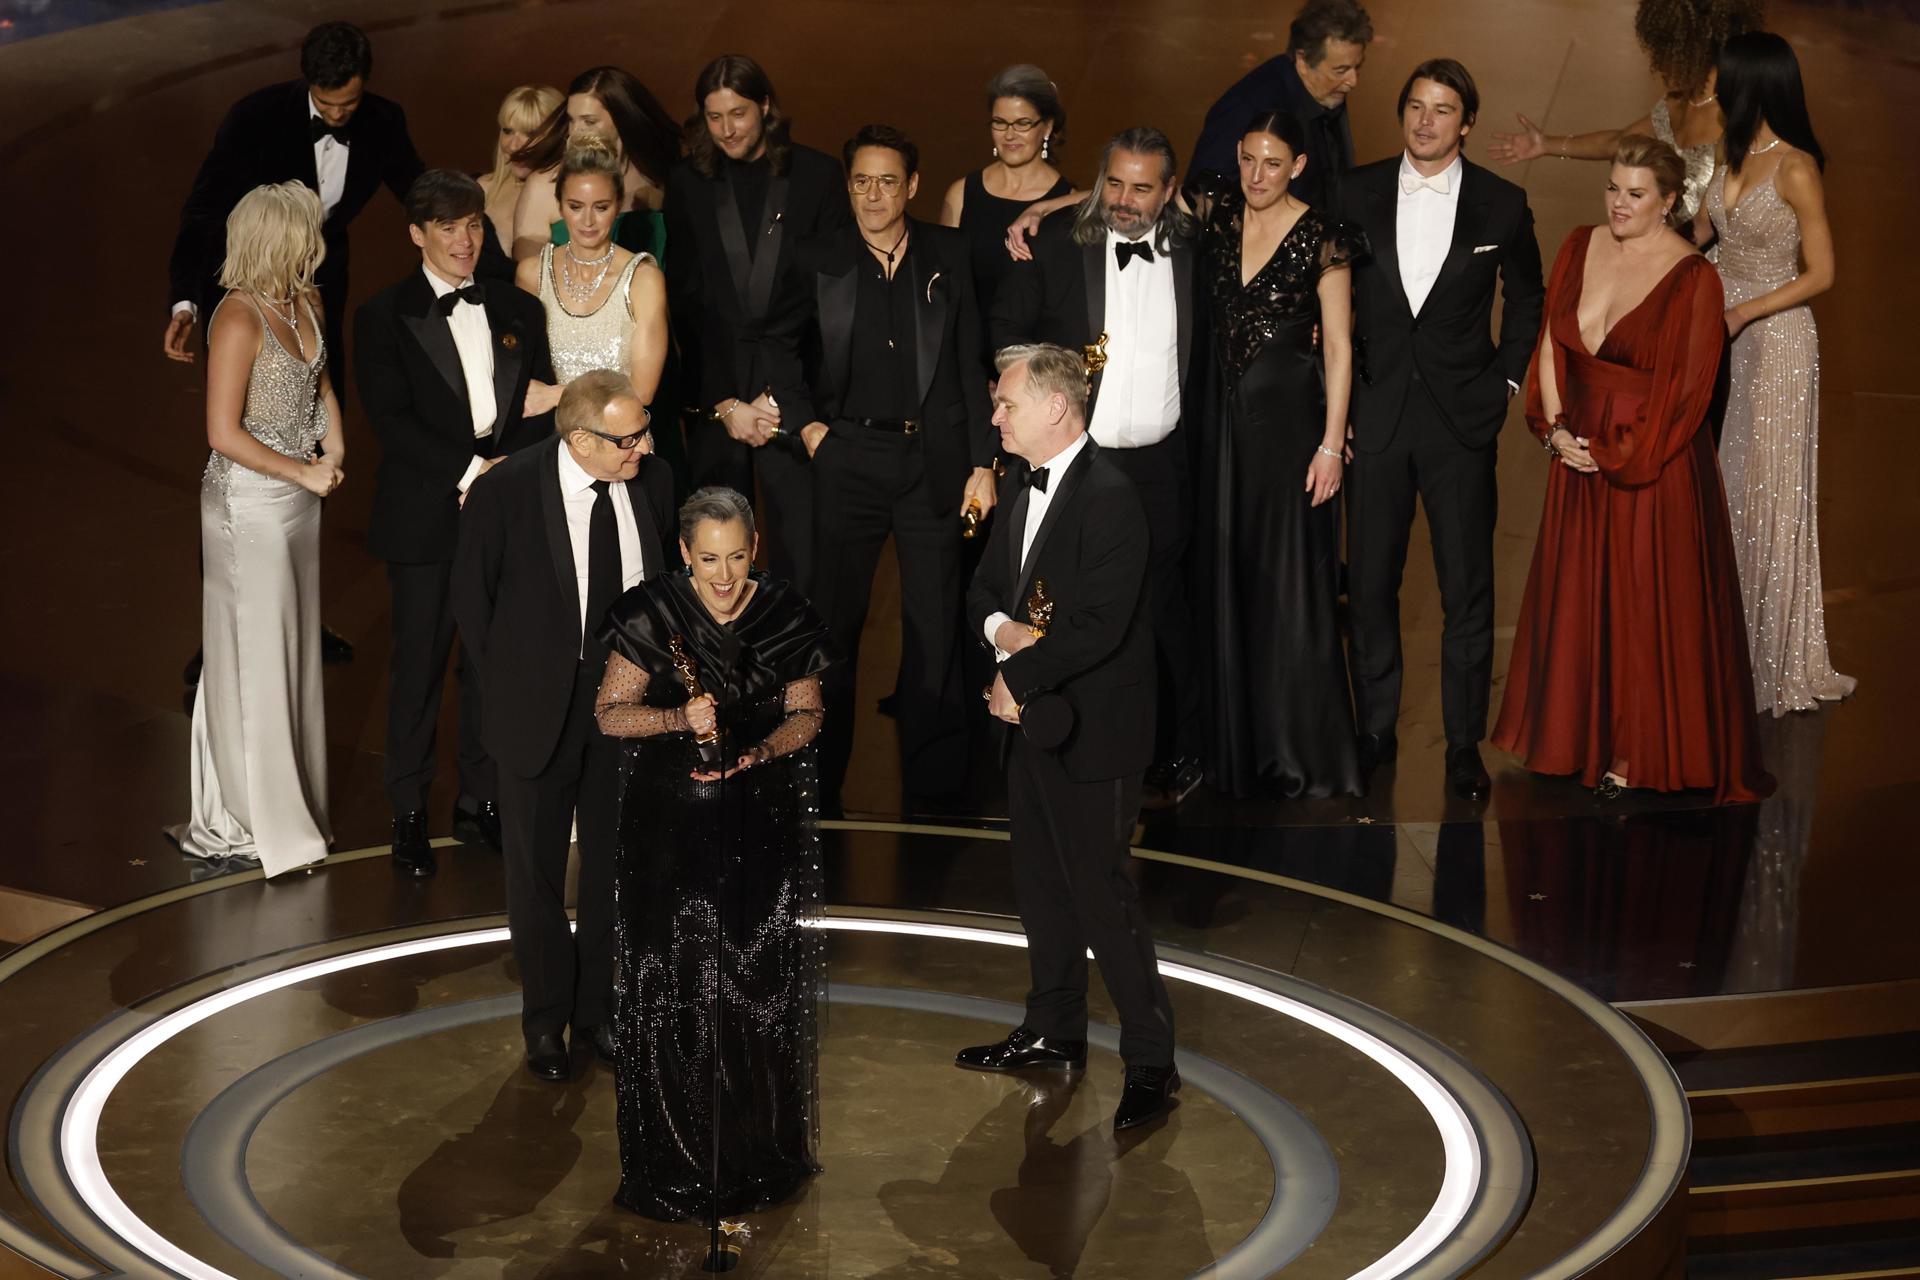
<point>1113,278</point>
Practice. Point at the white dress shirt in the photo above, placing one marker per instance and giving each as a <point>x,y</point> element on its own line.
<point>1423,226</point>
<point>1038,501</point>
<point>329,163</point>
<point>473,339</point>
<point>1139,401</point>
<point>576,492</point>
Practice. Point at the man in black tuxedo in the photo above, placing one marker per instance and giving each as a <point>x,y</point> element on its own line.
<point>1429,402</point>
<point>549,539</point>
<point>1080,698</point>
<point>443,363</point>
<point>879,358</point>
<point>1326,47</point>
<point>736,207</point>
<point>1115,277</point>
<point>323,129</point>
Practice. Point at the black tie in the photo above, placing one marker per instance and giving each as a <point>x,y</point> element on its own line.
<point>603,568</point>
<point>318,129</point>
<point>1127,250</point>
<point>1038,479</point>
<point>475,293</point>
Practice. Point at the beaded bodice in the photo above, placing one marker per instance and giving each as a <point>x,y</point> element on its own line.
<point>599,339</point>
<point>1698,159</point>
<point>1283,295</point>
<point>1759,246</point>
<point>284,410</point>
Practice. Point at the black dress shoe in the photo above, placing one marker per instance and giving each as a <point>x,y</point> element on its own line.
<point>600,1039</point>
<point>334,647</point>
<point>1466,774</point>
<point>1148,1095</point>
<point>411,852</point>
<point>1377,749</point>
<point>1170,781</point>
<point>1023,1049</point>
<point>547,1057</point>
<point>478,825</point>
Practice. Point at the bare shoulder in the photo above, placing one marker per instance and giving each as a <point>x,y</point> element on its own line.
<point>1798,178</point>
<point>526,273</point>
<point>235,319</point>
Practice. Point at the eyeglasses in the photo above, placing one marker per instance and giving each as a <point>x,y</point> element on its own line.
<point>861,183</point>
<point>625,442</point>
<point>1025,124</point>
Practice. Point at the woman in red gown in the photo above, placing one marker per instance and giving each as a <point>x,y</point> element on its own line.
<point>1630,662</point>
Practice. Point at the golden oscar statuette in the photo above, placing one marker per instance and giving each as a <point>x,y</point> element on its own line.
<point>1039,609</point>
<point>689,674</point>
<point>1095,354</point>
<point>970,518</point>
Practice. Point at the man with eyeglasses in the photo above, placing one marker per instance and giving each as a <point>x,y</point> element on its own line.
<point>590,502</point>
<point>900,434</point>
<point>443,364</point>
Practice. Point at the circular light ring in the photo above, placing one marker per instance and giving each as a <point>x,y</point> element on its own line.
<point>1461,1143</point>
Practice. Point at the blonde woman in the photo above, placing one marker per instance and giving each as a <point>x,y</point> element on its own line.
<point>260,778</point>
<point>521,114</point>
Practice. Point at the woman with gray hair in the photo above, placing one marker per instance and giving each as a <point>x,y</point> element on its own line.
<point>714,680</point>
<point>259,722</point>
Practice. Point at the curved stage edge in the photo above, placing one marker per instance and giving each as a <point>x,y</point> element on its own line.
<point>303,1076</point>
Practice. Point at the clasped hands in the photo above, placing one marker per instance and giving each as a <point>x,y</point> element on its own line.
<point>1010,638</point>
<point>703,717</point>
<point>1573,450</point>
<point>751,422</point>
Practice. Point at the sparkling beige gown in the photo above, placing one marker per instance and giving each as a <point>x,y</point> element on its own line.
<point>1769,444</point>
<point>600,339</point>
<point>259,721</point>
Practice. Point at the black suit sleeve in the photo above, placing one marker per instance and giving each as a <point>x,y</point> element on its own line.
<point>1524,298</point>
<point>657,479</point>
<point>539,366</point>
<point>438,456</point>
<point>790,321</point>
<point>403,163</point>
<point>983,442</point>
<point>989,587</point>
<point>684,284</point>
<point>217,187</point>
<point>476,568</point>
<point>1106,591</point>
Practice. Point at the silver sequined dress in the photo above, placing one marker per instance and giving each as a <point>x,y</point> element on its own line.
<point>1698,159</point>
<point>1769,444</point>
<point>601,338</point>
<point>259,722</point>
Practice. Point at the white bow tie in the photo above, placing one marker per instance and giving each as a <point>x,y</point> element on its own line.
<point>1411,182</point>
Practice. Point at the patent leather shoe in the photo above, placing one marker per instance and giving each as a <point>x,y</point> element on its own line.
<point>1466,774</point>
<point>412,855</point>
<point>600,1040</point>
<point>1021,1050</point>
<point>479,824</point>
<point>547,1057</point>
<point>1147,1095</point>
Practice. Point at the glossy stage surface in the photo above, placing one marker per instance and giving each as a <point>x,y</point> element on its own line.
<point>375,1117</point>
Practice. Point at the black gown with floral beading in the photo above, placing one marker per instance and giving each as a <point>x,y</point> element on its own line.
<point>1282,706</point>
<point>738,858</point>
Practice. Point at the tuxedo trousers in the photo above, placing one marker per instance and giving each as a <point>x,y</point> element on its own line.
<point>566,976</point>
<point>1069,842</point>
<point>867,485</point>
<point>785,491</point>
<point>423,638</point>
<point>1454,482</point>
<point>1161,475</point>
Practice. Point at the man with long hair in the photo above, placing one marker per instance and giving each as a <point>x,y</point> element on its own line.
<point>736,207</point>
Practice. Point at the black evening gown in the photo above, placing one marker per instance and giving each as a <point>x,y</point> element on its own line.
<point>741,857</point>
<point>1282,721</point>
<point>984,219</point>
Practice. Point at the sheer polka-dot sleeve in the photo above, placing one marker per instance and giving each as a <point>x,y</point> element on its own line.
<point>805,710</point>
<point>620,708</point>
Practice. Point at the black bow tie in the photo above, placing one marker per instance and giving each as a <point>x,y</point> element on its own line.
<point>318,128</point>
<point>1127,250</point>
<point>1038,479</point>
<point>475,293</point>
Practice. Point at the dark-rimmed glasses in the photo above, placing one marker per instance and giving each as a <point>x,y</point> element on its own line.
<point>1025,124</point>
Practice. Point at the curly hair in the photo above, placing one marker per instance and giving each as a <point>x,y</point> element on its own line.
<point>1683,37</point>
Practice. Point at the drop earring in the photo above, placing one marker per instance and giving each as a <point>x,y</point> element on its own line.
<point>996,152</point>
<point>1046,147</point>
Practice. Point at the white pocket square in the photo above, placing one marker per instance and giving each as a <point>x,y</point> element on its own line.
<point>1485,248</point>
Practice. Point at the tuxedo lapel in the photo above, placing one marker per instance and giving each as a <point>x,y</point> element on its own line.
<point>553,509</point>
<point>300,136</point>
<point>1467,216</point>
<point>929,316</point>
<point>733,241</point>
<point>1093,270</point>
<point>1384,214</point>
<point>507,357</point>
<point>836,297</point>
<point>1182,255</point>
<point>430,329</point>
<point>766,253</point>
<point>1061,500</point>
<point>653,563</point>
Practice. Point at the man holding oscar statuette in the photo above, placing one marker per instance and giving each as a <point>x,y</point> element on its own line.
<point>1061,597</point>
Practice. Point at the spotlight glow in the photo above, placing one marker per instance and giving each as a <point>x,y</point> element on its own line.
<point>79,1123</point>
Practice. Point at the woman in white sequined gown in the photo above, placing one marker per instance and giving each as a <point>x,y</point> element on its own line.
<point>606,307</point>
<point>1768,208</point>
<point>259,722</point>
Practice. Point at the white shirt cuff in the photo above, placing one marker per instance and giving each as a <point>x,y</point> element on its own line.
<point>994,623</point>
<point>473,469</point>
<point>1514,385</point>
<point>187,307</point>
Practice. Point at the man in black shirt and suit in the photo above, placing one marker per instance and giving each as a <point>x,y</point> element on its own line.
<point>1429,401</point>
<point>736,207</point>
<point>1115,277</point>
<point>1326,47</point>
<point>878,356</point>
<point>1069,558</point>
<point>443,363</point>
<point>549,539</point>
<point>323,129</point>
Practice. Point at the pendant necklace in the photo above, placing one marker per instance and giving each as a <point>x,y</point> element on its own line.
<point>890,253</point>
<point>290,319</point>
<point>581,291</point>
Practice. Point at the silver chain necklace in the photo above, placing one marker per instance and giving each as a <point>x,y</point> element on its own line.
<point>580,292</point>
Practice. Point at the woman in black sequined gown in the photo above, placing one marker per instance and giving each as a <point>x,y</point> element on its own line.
<point>703,849</point>
<point>1282,706</point>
